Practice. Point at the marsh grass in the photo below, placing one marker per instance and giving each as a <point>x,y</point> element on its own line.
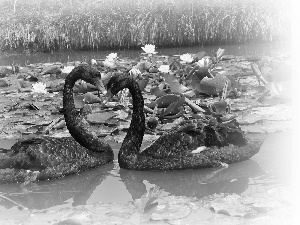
<point>55,25</point>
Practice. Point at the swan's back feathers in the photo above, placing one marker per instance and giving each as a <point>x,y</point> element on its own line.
<point>42,152</point>
<point>175,144</point>
<point>51,157</point>
<point>211,157</point>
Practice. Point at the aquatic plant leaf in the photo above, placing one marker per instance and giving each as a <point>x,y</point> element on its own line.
<point>220,53</point>
<point>78,101</point>
<point>213,86</point>
<point>195,78</point>
<point>142,66</point>
<point>91,98</point>
<point>100,117</point>
<point>52,70</point>
<point>228,57</point>
<point>164,101</point>
<point>199,55</point>
<point>189,93</point>
<point>174,107</point>
<point>3,83</point>
<point>61,124</point>
<point>175,65</point>
<point>174,84</point>
<point>234,73</point>
<point>142,83</point>
<point>157,91</point>
<point>170,212</point>
<point>173,116</point>
<point>121,114</point>
<point>230,205</point>
<point>5,70</point>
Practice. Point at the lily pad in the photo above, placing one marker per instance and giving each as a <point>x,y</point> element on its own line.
<point>157,91</point>
<point>3,83</point>
<point>230,205</point>
<point>174,84</point>
<point>213,86</point>
<point>199,55</point>
<point>100,117</point>
<point>170,212</point>
<point>164,101</point>
<point>174,107</point>
<point>90,98</point>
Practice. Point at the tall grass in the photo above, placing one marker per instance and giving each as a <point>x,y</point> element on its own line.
<point>54,25</point>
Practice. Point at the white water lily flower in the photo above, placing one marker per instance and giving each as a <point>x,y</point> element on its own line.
<point>164,69</point>
<point>112,56</point>
<point>67,69</point>
<point>149,49</point>
<point>135,72</point>
<point>109,63</point>
<point>39,87</point>
<point>204,62</point>
<point>93,62</point>
<point>186,58</point>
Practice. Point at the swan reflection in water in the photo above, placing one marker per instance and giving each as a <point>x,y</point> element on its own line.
<point>46,194</point>
<point>193,183</point>
<point>79,189</point>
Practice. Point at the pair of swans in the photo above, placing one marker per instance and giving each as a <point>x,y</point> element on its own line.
<point>177,149</point>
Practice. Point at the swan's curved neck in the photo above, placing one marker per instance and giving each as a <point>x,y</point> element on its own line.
<point>74,120</point>
<point>133,140</point>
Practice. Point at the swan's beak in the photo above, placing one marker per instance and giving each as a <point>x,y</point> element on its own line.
<point>108,96</point>
<point>99,85</point>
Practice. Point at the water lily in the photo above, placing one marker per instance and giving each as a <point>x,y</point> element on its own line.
<point>187,58</point>
<point>110,60</point>
<point>39,87</point>
<point>135,72</point>
<point>220,53</point>
<point>149,49</point>
<point>204,62</point>
<point>112,56</point>
<point>93,62</point>
<point>67,69</point>
<point>109,63</point>
<point>164,69</point>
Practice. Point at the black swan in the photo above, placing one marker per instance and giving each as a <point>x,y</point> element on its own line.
<point>41,158</point>
<point>177,149</point>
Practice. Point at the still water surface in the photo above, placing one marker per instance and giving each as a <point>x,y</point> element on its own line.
<point>271,167</point>
<point>274,49</point>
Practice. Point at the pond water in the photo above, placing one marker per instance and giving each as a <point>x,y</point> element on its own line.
<point>273,49</point>
<point>271,167</point>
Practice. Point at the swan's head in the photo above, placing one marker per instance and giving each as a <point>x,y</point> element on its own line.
<point>117,83</point>
<point>90,75</point>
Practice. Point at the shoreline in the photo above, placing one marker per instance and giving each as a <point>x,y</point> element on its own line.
<point>111,25</point>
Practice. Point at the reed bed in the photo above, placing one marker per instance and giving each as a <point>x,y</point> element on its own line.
<point>55,25</point>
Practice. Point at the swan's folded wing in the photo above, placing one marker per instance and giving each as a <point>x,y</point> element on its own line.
<point>175,144</point>
<point>39,153</point>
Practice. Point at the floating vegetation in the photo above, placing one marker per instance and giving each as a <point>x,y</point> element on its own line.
<point>52,25</point>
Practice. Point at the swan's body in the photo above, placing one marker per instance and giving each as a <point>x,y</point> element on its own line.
<point>174,149</point>
<point>56,157</point>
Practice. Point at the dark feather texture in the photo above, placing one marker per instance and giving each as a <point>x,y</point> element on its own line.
<point>55,157</point>
<point>225,143</point>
